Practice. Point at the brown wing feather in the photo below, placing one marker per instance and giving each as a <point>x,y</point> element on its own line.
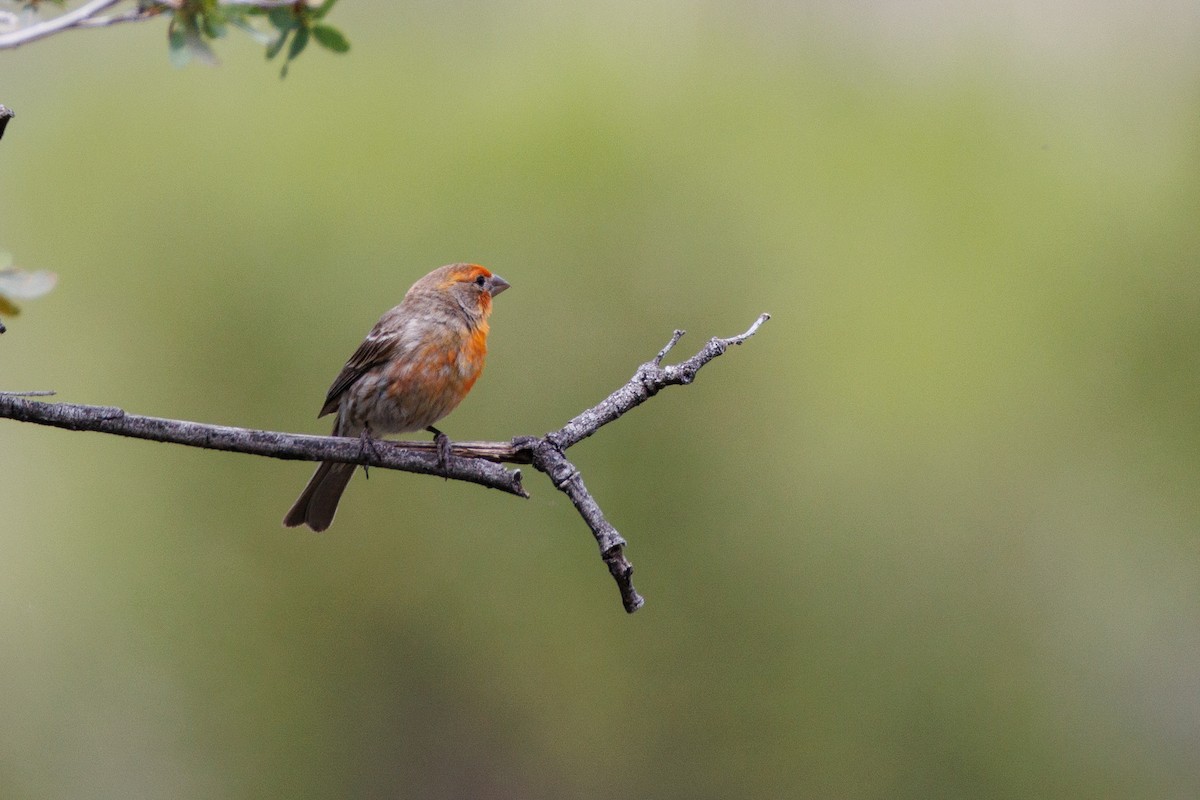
<point>375,349</point>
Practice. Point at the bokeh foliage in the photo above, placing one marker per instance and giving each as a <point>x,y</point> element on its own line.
<point>195,24</point>
<point>931,533</point>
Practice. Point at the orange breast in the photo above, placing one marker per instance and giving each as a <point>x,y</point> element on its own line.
<point>433,381</point>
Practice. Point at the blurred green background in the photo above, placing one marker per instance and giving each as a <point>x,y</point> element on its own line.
<point>931,533</point>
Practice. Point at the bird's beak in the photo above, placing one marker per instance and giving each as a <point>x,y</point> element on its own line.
<point>498,285</point>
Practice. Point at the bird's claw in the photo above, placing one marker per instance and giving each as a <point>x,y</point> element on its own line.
<point>442,442</point>
<point>367,445</point>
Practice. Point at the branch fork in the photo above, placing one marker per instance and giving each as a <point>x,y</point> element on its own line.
<point>474,462</point>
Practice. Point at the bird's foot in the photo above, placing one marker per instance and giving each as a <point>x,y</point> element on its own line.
<point>442,441</point>
<point>366,443</point>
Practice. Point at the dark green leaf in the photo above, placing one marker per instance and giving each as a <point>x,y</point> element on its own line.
<point>330,38</point>
<point>299,42</point>
<point>282,18</point>
<point>274,48</point>
<point>185,41</point>
<point>213,25</point>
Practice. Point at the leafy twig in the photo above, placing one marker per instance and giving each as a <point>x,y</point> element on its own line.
<point>194,23</point>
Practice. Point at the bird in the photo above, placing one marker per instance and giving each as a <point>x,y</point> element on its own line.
<point>413,368</point>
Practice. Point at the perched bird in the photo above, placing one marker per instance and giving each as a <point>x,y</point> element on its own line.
<point>414,367</point>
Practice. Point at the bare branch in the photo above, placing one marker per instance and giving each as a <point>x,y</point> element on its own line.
<point>566,478</point>
<point>500,452</point>
<point>475,462</point>
<point>293,446</point>
<point>648,381</point>
<point>547,452</point>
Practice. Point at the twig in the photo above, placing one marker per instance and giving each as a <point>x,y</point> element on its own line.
<point>475,462</point>
<point>5,115</point>
<point>548,458</point>
<point>132,15</point>
<point>649,380</point>
<point>50,27</point>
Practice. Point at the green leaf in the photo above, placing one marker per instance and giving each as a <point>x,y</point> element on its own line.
<point>330,38</point>
<point>213,25</point>
<point>299,42</point>
<point>200,49</point>
<point>185,41</point>
<point>177,49</point>
<point>274,48</point>
<point>323,9</point>
<point>282,18</point>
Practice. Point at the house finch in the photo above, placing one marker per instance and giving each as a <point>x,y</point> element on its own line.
<point>414,367</point>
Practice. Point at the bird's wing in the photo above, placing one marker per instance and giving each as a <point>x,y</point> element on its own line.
<point>374,350</point>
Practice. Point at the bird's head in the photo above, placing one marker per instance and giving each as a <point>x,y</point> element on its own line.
<point>471,287</point>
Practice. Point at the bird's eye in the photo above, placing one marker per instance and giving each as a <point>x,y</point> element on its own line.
<point>480,281</point>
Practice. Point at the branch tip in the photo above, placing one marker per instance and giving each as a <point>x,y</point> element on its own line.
<point>763,317</point>
<point>518,486</point>
<point>675,337</point>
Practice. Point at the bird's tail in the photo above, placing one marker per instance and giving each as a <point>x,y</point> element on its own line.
<point>319,501</point>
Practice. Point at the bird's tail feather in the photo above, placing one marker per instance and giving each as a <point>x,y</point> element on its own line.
<point>319,501</point>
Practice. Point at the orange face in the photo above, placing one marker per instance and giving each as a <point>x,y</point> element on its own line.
<point>471,285</point>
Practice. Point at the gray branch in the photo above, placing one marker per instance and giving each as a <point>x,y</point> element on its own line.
<point>651,378</point>
<point>475,462</point>
<point>292,446</point>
